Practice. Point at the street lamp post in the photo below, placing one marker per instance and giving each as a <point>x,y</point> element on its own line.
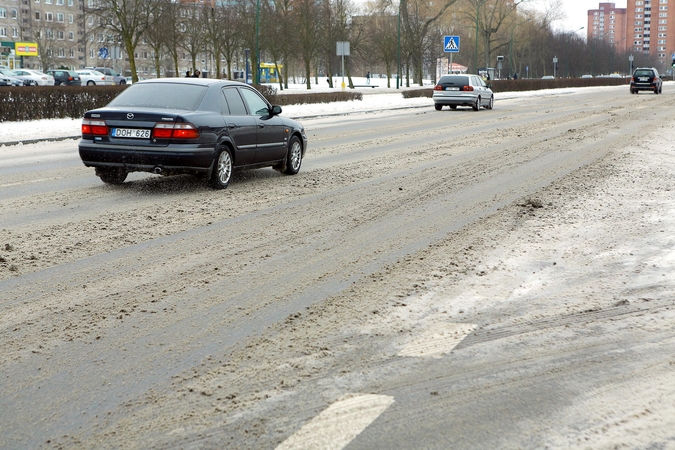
<point>630,60</point>
<point>398,69</point>
<point>555,65</point>
<point>256,78</point>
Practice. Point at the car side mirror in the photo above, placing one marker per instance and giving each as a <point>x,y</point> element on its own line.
<point>489,85</point>
<point>276,110</point>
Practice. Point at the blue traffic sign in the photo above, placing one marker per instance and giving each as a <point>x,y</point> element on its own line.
<point>103,52</point>
<point>451,44</point>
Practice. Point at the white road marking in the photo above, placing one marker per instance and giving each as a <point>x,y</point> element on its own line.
<point>438,340</point>
<point>338,424</point>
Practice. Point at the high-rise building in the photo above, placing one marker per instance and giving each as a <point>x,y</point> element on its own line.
<point>650,29</point>
<point>608,24</point>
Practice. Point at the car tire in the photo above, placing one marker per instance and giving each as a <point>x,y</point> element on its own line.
<point>111,175</point>
<point>476,106</point>
<point>61,83</point>
<point>438,107</point>
<point>123,82</point>
<point>633,91</point>
<point>491,103</point>
<point>91,83</point>
<point>293,156</point>
<point>222,170</point>
<point>453,107</point>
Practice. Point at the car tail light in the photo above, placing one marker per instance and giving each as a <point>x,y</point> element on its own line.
<point>169,130</point>
<point>438,87</point>
<point>70,78</point>
<point>95,127</point>
<point>467,88</point>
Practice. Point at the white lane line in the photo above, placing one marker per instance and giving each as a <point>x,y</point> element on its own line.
<point>338,424</point>
<point>438,340</point>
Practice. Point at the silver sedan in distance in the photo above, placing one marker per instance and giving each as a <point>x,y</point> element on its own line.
<point>463,90</point>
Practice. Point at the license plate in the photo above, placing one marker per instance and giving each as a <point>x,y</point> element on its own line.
<point>452,89</point>
<point>643,79</point>
<point>135,133</point>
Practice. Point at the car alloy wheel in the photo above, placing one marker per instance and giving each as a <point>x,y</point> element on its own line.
<point>476,106</point>
<point>223,170</point>
<point>294,157</point>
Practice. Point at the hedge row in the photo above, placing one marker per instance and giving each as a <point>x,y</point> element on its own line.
<point>532,85</point>
<point>52,102</point>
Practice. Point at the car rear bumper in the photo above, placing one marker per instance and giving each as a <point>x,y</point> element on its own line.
<point>144,159</point>
<point>457,99</point>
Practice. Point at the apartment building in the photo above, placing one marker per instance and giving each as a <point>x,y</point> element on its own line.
<point>56,26</point>
<point>608,24</point>
<point>651,29</point>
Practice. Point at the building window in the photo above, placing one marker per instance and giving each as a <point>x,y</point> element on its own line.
<point>15,32</point>
<point>71,36</point>
<point>37,15</point>
<point>59,2</point>
<point>60,17</point>
<point>49,17</point>
<point>70,18</point>
<point>3,32</point>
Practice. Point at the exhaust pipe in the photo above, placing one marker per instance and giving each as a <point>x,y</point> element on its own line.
<point>158,170</point>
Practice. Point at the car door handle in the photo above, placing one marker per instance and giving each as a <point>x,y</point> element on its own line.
<point>261,125</point>
<point>231,126</point>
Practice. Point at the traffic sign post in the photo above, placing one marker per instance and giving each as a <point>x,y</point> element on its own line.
<point>342,49</point>
<point>451,45</point>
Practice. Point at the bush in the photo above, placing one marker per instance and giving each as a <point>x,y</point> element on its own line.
<point>53,102</point>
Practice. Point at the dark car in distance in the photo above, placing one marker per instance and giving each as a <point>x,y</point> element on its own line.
<point>189,125</point>
<point>646,79</point>
<point>63,77</point>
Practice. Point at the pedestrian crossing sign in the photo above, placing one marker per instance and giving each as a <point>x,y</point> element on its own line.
<point>451,44</point>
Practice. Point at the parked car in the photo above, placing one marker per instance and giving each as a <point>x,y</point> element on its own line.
<point>462,90</point>
<point>35,77</point>
<point>117,78</point>
<point>13,79</point>
<point>90,77</point>
<point>201,126</point>
<point>548,77</point>
<point>646,79</point>
<point>63,77</point>
<point>5,81</point>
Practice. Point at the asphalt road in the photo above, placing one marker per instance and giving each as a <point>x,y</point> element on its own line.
<point>367,302</point>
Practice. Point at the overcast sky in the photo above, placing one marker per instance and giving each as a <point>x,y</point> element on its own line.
<point>577,12</point>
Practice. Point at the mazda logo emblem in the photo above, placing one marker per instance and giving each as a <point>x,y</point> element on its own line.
<point>130,116</point>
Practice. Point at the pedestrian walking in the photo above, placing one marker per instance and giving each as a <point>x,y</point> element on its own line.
<point>368,78</point>
<point>188,74</point>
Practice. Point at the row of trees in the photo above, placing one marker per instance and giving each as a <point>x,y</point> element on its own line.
<point>301,34</point>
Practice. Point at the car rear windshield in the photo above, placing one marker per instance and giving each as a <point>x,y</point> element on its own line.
<point>456,81</point>
<point>644,73</point>
<point>161,95</point>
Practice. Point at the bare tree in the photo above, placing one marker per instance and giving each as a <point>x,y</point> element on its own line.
<point>193,28</point>
<point>308,31</point>
<point>417,19</point>
<point>129,19</point>
<point>156,35</point>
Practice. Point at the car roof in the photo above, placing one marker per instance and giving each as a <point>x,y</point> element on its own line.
<point>199,81</point>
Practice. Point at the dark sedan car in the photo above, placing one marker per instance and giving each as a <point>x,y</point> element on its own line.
<point>189,125</point>
<point>646,79</point>
<point>64,77</point>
